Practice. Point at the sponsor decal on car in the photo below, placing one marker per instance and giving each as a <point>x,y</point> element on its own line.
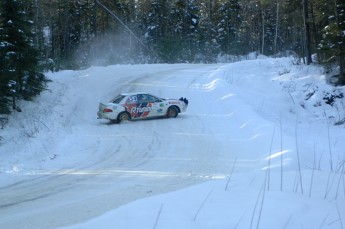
<point>174,103</point>
<point>140,109</point>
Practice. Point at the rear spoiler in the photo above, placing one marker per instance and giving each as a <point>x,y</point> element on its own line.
<point>184,100</point>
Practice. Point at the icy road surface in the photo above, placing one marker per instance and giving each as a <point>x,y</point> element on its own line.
<point>79,167</point>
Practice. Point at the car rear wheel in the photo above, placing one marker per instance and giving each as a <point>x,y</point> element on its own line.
<point>124,116</point>
<point>172,112</point>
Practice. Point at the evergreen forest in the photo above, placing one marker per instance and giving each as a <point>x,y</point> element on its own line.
<point>41,35</point>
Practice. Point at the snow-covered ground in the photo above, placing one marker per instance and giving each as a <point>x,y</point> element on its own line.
<point>257,148</point>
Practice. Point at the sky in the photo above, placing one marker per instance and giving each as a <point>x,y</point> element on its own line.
<point>257,148</point>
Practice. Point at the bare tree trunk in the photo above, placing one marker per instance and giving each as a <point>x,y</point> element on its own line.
<point>95,6</point>
<point>307,31</point>
<point>341,46</point>
<point>263,31</point>
<point>277,25</point>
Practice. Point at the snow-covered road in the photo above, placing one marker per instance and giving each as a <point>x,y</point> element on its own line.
<point>110,165</point>
<point>69,167</point>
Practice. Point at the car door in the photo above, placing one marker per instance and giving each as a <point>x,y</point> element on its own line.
<point>148,105</point>
<point>131,106</point>
<point>158,106</point>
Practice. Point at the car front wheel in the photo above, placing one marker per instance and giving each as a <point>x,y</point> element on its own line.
<point>172,112</point>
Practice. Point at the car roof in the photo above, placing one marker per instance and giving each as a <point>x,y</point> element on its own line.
<point>134,93</point>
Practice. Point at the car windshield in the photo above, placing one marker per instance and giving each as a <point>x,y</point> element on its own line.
<point>117,99</point>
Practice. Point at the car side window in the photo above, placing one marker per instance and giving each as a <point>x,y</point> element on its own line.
<point>145,98</point>
<point>118,99</point>
<point>132,99</point>
<point>156,100</point>
<point>142,98</point>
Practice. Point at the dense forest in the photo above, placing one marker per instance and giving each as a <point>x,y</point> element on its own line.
<point>39,35</point>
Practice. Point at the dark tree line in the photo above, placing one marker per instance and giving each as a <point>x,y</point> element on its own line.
<point>19,73</point>
<point>82,32</point>
<point>71,34</point>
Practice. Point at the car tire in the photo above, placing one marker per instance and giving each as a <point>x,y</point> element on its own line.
<point>123,116</point>
<point>172,112</point>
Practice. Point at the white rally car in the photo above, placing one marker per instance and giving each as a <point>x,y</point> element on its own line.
<point>140,105</point>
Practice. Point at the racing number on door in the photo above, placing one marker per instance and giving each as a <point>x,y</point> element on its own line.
<point>143,105</point>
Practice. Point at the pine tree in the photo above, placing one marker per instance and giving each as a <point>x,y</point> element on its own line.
<point>292,27</point>
<point>180,45</point>
<point>228,26</point>
<point>19,73</point>
<point>341,36</point>
<point>250,28</point>
<point>332,45</point>
<point>209,46</point>
<point>192,30</point>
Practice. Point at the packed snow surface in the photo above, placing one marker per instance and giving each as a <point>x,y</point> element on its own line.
<point>257,148</point>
